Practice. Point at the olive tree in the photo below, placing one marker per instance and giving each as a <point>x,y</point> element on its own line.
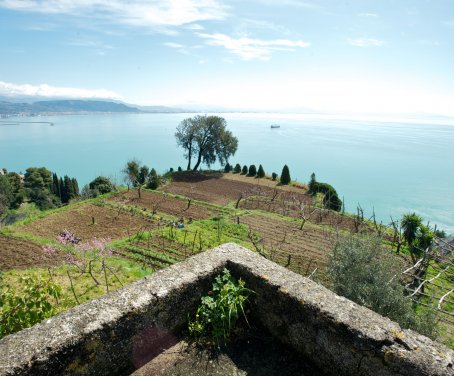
<point>207,139</point>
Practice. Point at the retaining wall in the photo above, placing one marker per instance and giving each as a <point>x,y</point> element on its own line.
<point>118,333</point>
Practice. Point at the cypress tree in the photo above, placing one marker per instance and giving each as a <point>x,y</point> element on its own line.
<point>244,170</point>
<point>285,175</point>
<point>261,172</point>
<point>252,170</point>
<point>75,187</point>
<point>61,189</point>
<point>312,184</point>
<point>55,185</point>
<point>237,168</point>
<point>227,167</point>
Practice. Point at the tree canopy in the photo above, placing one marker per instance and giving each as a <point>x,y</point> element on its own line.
<point>207,139</point>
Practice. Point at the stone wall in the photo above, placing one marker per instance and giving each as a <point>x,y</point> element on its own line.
<point>118,333</point>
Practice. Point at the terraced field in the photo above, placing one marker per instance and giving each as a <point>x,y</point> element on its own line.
<point>87,221</point>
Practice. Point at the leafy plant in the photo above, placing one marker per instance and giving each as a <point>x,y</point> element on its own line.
<point>24,308</point>
<point>218,312</point>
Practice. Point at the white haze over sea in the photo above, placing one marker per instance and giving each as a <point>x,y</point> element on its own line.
<point>394,166</point>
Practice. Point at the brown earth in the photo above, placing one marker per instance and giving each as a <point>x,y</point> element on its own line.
<point>301,250</point>
<point>22,254</point>
<point>219,188</point>
<point>109,223</point>
<point>156,202</point>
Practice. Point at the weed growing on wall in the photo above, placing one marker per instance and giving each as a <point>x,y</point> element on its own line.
<point>221,309</point>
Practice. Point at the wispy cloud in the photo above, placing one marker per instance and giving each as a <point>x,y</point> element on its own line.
<point>173,45</point>
<point>366,42</point>
<point>48,91</point>
<point>367,14</point>
<point>153,13</point>
<point>252,49</point>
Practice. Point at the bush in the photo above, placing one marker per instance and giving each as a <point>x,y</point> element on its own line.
<point>180,169</point>
<point>252,170</point>
<point>261,172</point>
<point>285,175</point>
<point>237,169</point>
<point>218,313</point>
<point>102,185</point>
<point>227,168</point>
<point>244,170</point>
<point>274,176</point>
<point>330,198</point>
<point>28,305</point>
<point>364,272</point>
<point>154,180</point>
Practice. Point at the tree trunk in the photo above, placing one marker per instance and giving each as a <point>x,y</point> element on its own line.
<point>189,158</point>
<point>199,160</point>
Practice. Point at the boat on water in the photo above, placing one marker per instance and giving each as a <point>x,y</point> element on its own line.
<point>275,126</point>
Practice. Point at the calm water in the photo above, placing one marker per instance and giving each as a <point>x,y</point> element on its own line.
<point>393,167</point>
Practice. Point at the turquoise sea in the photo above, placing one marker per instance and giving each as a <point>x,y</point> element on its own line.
<point>393,167</point>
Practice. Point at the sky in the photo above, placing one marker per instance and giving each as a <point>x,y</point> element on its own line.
<point>327,56</point>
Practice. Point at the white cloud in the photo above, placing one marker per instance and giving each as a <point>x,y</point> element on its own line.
<point>173,45</point>
<point>48,91</point>
<point>366,42</point>
<point>154,13</point>
<point>368,15</point>
<point>252,49</point>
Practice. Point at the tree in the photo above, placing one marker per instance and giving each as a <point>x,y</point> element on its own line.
<point>311,184</point>
<point>6,194</point>
<point>274,176</point>
<point>362,271</point>
<point>154,180</point>
<point>227,167</point>
<point>244,170</point>
<point>206,138</point>
<point>101,185</point>
<point>261,172</point>
<point>237,168</point>
<point>131,172</point>
<point>38,185</point>
<point>285,175</point>
<point>252,170</point>
<point>17,185</point>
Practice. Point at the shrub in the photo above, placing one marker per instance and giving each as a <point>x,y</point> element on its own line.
<point>180,169</point>
<point>252,170</point>
<point>154,180</point>
<point>244,170</point>
<point>261,172</point>
<point>28,305</point>
<point>218,312</point>
<point>285,175</point>
<point>102,185</point>
<point>237,168</point>
<point>274,176</point>
<point>227,167</point>
<point>364,272</point>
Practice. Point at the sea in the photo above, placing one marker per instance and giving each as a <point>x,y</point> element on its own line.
<point>388,167</point>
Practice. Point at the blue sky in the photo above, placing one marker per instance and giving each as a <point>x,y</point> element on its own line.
<point>375,57</point>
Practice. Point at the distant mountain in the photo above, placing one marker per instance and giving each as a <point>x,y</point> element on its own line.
<point>162,109</point>
<point>65,106</point>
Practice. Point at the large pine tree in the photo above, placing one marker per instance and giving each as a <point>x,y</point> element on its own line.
<point>285,175</point>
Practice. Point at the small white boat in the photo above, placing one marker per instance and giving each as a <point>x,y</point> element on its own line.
<point>275,126</point>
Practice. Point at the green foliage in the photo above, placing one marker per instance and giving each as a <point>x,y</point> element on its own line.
<point>274,176</point>
<point>261,172</point>
<point>330,198</point>
<point>22,308</point>
<point>244,170</point>
<point>227,167</point>
<point>237,168</point>
<point>219,312</point>
<point>364,272</point>
<point>6,194</point>
<point>252,170</point>
<point>417,235</point>
<point>38,185</point>
<point>285,175</point>
<point>206,138</point>
<point>101,185</point>
<point>154,180</point>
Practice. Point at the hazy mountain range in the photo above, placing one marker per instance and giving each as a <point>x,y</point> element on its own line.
<point>74,106</point>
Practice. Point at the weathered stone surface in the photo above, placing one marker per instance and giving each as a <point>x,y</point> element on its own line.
<point>121,331</point>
